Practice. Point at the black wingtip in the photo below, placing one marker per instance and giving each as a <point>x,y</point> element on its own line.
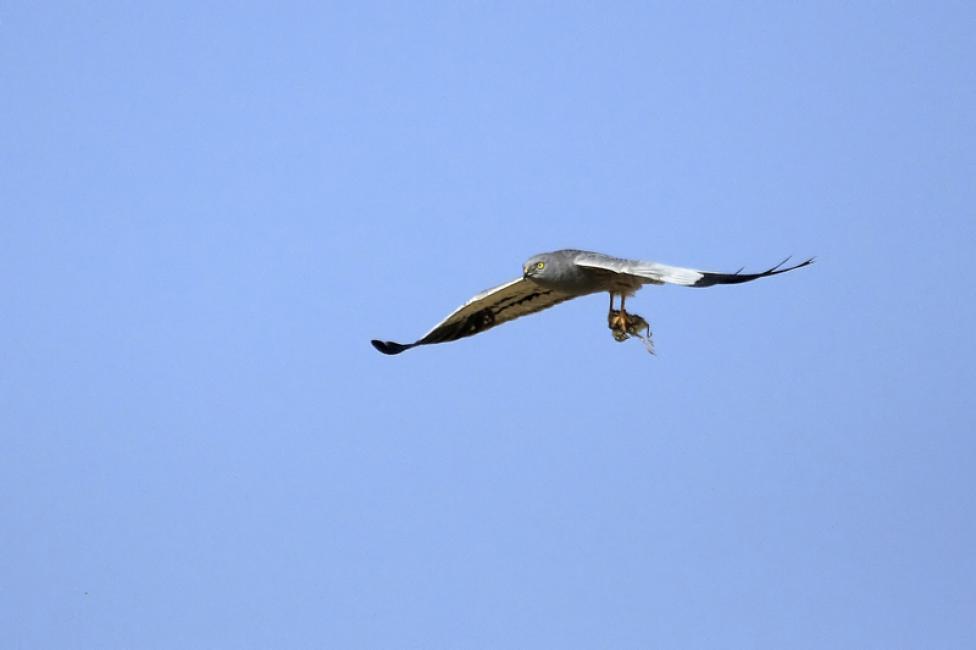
<point>780,268</point>
<point>806,262</point>
<point>711,279</point>
<point>390,347</point>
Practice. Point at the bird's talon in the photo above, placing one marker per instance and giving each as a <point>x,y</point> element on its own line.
<point>625,325</point>
<point>617,322</point>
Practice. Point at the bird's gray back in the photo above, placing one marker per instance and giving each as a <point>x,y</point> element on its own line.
<point>566,275</point>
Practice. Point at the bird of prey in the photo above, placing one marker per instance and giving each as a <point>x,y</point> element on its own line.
<point>551,278</point>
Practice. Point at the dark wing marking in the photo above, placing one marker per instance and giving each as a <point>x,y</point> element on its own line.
<point>709,279</point>
<point>661,273</point>
<point>486,310</point>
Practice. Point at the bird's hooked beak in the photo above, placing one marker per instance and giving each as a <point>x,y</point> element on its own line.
<point>526,271</point>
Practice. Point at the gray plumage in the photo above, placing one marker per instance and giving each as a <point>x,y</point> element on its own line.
<point>551,278</point>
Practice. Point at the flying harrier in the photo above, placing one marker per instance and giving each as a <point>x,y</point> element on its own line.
<point>550,278</point>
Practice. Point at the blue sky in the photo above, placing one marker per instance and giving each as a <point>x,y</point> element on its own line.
<point>208,211</point>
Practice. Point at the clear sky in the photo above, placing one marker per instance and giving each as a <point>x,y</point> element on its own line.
<point>206,212</point>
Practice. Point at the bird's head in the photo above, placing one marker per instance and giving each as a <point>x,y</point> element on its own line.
<point>539,267</point>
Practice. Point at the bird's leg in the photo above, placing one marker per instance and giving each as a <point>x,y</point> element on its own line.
<point>623,313</point>
<point>617,320</point>
<point>613,322</point>
<point>612,315</point>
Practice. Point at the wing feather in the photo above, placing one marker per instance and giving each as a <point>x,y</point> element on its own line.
<point>664,273</point>
<point>482,312</point>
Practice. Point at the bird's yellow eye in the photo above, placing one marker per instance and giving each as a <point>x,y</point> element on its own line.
<point>540,265</point>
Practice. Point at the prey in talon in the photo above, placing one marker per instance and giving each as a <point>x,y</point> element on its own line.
<point>623,326</point>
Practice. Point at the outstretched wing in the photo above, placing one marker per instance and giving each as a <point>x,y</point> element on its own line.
<point>663,273</point>
<point>486,310</point>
